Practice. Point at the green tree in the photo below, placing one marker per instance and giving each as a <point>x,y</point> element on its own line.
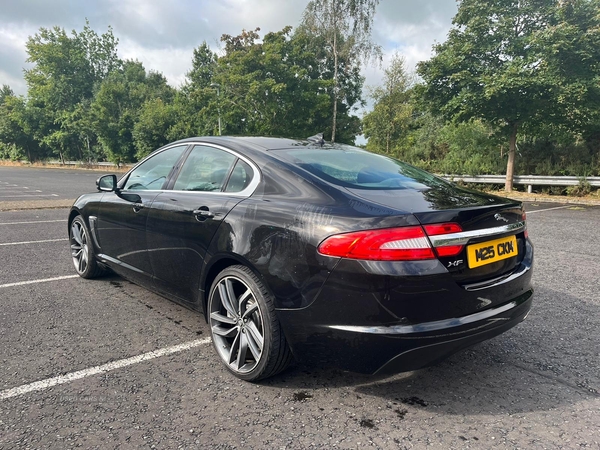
<point>573,50</point>
<point>16,136</point>
<point>117,106</point>
<point>493,67</point>
<point>392,115</point>
<point>67,70</point>
<point>341,34</point>
<point>155,126</point>
<point>195,102</point>
<point>204,65</point>
<point>271,87</point>
<point>5,93</point>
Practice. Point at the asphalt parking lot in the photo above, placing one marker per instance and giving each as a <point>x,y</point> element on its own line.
<point>106,364</point>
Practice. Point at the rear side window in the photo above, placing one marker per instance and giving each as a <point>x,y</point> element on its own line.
<point>355,168</point>
<point>240,177</point>
<point>205,169</point>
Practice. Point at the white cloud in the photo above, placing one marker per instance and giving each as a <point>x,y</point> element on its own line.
<point>163,34</point>
<point>13,56</point>
<point>172,62</point>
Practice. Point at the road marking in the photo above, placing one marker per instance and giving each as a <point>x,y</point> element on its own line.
<point>34,242</point>
<point>44,280</point>
<point>29,195</point>
<point>33,221</point>
<point>62,379</point>
<point>548,209</point>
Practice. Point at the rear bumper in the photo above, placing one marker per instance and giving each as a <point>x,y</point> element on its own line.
<point>427,350</point>
<point>375,331</point>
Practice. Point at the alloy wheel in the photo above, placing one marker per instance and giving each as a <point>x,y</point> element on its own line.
<point>79,246</point>
<point>236,324</point>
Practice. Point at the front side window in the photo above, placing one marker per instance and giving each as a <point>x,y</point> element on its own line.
<point>152,173</point>
<point>205,169</point>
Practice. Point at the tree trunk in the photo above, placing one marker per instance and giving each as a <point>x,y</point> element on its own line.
<point>510,166</point>
<point>335,86</point>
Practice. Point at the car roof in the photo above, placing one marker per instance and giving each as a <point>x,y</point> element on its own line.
<point>257,142</point>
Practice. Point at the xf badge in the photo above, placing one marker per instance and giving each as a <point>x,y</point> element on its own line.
<point>456,263</point>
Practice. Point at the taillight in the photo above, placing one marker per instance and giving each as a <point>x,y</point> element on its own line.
<point>392,244</point>
<point>441,229</point>
<point>525,232</point>
<point>389,244</point>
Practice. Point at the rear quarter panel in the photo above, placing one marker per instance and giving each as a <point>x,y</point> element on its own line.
<point>276,232</point>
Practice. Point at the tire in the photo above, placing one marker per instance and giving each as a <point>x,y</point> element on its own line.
<point>245,331</point>
<point>82,250</point>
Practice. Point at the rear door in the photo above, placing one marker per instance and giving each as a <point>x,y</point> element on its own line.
<point>183,219</point>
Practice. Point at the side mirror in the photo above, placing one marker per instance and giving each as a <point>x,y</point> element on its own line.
<point>107,183</point>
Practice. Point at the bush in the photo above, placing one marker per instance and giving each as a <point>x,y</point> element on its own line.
<point>582,189</point>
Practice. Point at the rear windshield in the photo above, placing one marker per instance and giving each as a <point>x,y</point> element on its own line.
<point>355,168</point>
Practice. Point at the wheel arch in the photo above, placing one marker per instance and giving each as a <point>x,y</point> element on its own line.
<point>72,214</point>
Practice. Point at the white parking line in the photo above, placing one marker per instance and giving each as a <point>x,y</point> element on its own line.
<point>34,242</point>
<point>62,379</point>
<point>29,195</point>
<point>33,221</point>
<point>43,280</point>
<point>548,209</point>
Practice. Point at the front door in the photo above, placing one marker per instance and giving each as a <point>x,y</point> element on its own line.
<point>123,214</point>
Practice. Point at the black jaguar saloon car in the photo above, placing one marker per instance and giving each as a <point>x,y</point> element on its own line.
<point>321,252</point>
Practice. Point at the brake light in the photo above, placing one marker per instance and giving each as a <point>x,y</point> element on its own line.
<point>392,244</point>
<point>389,244</point>
<point>525,232</point>
<point>445,228</point>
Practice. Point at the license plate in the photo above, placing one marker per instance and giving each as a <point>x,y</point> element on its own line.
<point>491,251</point>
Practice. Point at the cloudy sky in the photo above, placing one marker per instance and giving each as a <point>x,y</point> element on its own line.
<point>162,34</point>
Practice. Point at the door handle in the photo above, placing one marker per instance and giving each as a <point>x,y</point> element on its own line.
<point>137,207</point>
<point>202,213</point>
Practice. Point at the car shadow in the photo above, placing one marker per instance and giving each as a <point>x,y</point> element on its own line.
<point>547,361</point>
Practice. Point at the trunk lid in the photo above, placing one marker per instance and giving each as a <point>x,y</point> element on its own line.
<point>493,228</point>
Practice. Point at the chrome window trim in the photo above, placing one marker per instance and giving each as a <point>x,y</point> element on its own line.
<point>463,237</point>
<point>247,192</point>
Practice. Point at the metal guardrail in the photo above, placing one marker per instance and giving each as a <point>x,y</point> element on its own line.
<point>86,164</point>
<point>529,180</point>
<point>82,163</point>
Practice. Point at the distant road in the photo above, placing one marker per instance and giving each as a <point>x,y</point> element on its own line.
<point>27,183</point>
